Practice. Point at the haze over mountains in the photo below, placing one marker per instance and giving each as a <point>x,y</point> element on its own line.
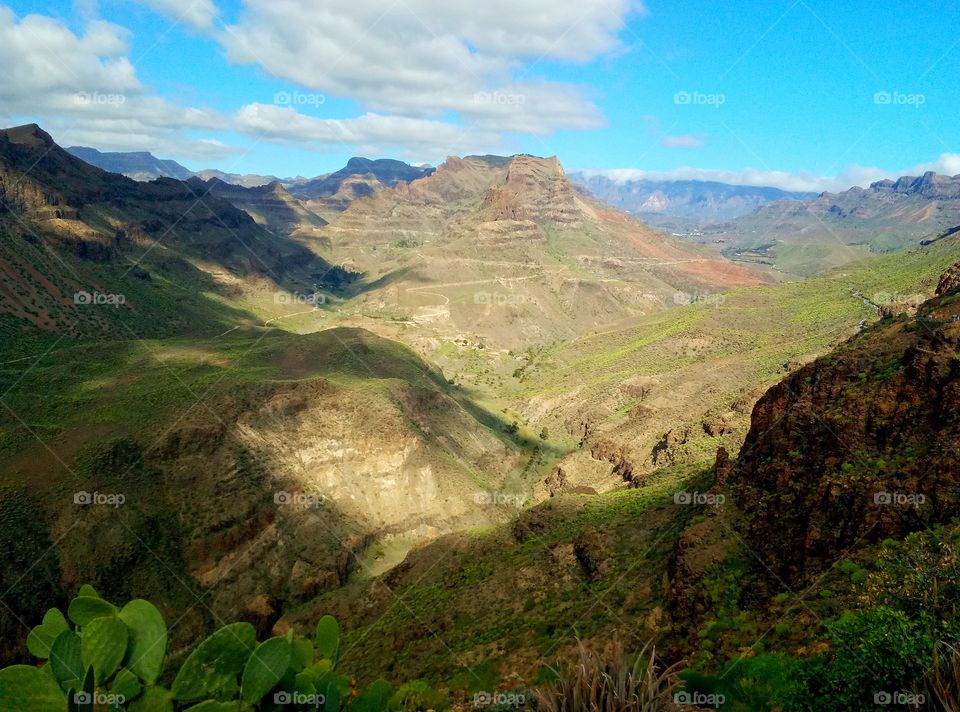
<point>658,200</point>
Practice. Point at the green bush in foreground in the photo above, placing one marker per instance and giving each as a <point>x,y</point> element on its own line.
<point>100,657</point>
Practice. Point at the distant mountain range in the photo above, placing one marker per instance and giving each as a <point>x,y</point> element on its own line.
<point>810,236</point>
<point>691,199</point>
<point>139,165</point>
<point>361,176</point>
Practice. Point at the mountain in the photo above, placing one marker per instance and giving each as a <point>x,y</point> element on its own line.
<point>660,201</point>
<point>378,173</point>
<point>255,465</point>
<point>247,180</point>
<point>811,236</point>
<point>269,205</point>
<point>144,166</point>
<point>330,194</point>
<point>138,165</point>
<point>506,251</point>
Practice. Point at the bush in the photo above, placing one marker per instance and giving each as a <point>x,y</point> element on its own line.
<point>877,651</point>
<point>618,683</point>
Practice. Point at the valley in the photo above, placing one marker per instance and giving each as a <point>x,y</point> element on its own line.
<point>455,408</point>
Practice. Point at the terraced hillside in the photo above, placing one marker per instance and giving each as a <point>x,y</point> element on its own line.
<point>504,250</point>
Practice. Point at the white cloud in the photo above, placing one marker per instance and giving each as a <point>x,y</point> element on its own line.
<point>430,58</point>
<point>682,141</point>
<point>948,163</point>
<point>84,90</point>
<point>199,14</point>
<point>371,133</point>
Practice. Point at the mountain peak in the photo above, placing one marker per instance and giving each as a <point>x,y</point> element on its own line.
<point>28,134</point>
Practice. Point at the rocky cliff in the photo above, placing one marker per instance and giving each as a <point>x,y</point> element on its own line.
<point>858,446</point>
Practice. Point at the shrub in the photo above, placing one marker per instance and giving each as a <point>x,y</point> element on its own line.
<point>617,683</point>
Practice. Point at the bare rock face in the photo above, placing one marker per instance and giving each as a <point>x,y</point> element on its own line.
<point>722,468</point>
<point>665,452</point>
<point>588,548</point>
<point>950,280</point>
<point>619,456</point>
<point>858,446</point>
<point>556,481</point>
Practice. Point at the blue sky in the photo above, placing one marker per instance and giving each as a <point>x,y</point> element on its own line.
<point>803,94</point>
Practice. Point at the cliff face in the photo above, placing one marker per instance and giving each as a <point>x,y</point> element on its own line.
<point>860,445</point>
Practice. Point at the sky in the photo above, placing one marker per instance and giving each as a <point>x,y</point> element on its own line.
<point>798,94</point>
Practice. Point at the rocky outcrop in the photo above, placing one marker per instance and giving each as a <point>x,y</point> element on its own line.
<point>950,281</point>
<point>665,452</point>
<point>860,445</point>
<point>588,549</point>
<point>556,481</point>
<point>618,455</point>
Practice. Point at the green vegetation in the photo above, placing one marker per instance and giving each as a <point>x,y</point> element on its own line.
<point>101,657</point>
<point>897,614</point>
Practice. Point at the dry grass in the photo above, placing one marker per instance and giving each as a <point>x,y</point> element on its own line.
<point>943,681</point>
